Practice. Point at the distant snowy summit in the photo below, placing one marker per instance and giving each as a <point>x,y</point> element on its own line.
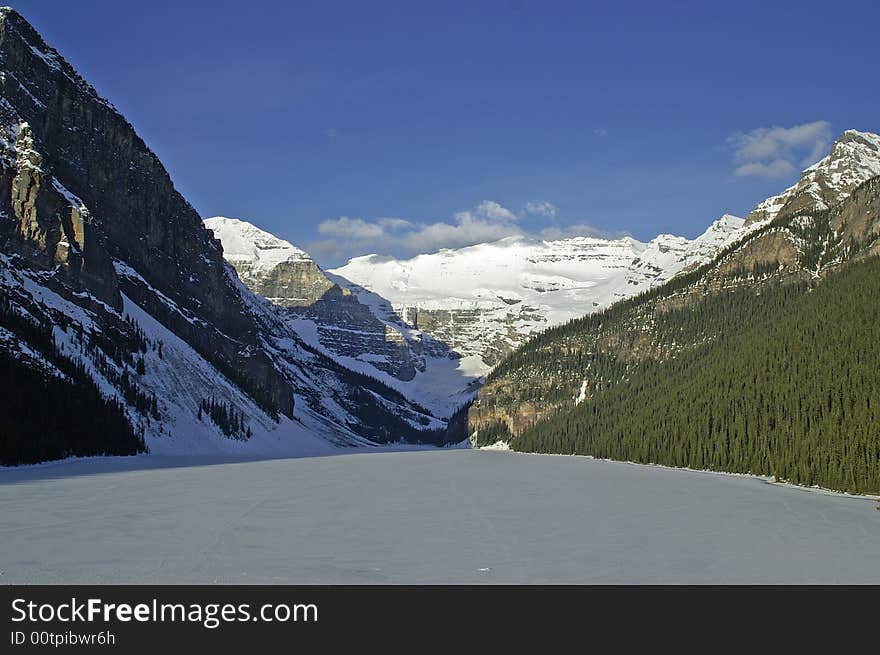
<point>244,242</point>
<point>487,299</point>
<point>405,320</point>
<point>562,276</point>
<point>271,267</point>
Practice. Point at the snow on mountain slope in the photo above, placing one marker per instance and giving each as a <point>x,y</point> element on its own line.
<point>116,295</point>
<point>244,243</point>
<point>173,372</point>
<point>270,266</point>
<point>854,158</point>
<point>482,301</point>
<point>431,327</point>
<point>360,332</point>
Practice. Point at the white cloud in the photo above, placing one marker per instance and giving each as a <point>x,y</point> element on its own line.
<point>543,208</point>
<point>773,151</point>
<point>775,168</point>
<point>487,210</point>
<point>395,223</point>
<point>488,221</point>
<point>350,228</point>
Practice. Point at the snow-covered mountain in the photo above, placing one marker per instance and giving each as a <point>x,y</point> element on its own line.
<point>271,267</point>
<point>358,331</point>
<point>431,327</point>
<point>483,301</point>
<point>121,325</point>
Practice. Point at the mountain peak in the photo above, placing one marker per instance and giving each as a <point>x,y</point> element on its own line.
<point>728,223</point>
<point>269,266</point>
<point>730,220</point>
<point>854,158</point>
<point>244,242</point>
<point>866,138</point>
<point>10,11</point>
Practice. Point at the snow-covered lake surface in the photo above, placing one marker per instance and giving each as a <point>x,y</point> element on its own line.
<point>423,517</point>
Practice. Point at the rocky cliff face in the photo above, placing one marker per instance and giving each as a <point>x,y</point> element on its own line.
<point>358,330</point>
<point>111,281</point>
<point>85,191</point>
<point>271,267</point>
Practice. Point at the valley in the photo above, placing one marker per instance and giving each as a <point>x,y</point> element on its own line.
<point>129,324</point>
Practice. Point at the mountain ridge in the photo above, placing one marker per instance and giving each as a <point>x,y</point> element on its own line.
<point>124,299</point>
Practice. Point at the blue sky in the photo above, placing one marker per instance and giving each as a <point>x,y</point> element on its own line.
<point>395,127</point>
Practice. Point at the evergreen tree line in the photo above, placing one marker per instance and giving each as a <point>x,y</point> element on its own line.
<point>491,432</point>
<point>231,422</point>
<point>786,383</point>
<point>120,342</point>
<point>259,393</point>
<point>49,416</point>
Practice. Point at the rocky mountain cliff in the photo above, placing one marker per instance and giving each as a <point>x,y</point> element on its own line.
<point>360,332</point>
<point>112,282</point>
<point>271,268</point>
<point>66,154</point>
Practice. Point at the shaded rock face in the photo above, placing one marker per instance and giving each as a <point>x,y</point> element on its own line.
<point>289,278</point>
<point>348,328</point>
<point>49,225</point>
<point>81,190</point>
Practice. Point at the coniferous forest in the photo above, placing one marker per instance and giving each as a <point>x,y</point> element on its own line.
<point>57,410</point>
<point>794,392</point>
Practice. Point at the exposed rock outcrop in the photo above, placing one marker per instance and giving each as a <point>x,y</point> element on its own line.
<point>111,283</point>
<point>271,267</point>
<point>84,190</point>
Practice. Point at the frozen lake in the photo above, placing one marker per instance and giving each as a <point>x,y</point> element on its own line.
<point>423,517</point>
